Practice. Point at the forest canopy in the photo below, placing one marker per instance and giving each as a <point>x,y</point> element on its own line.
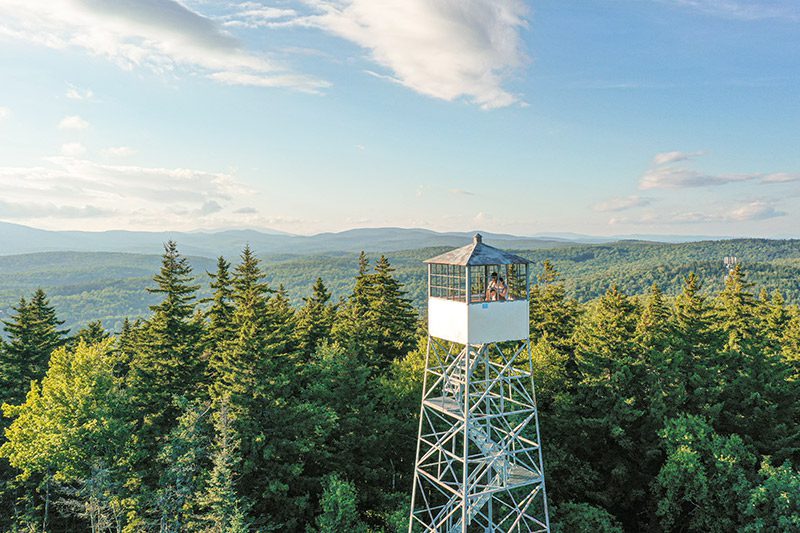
<point>236,405</point>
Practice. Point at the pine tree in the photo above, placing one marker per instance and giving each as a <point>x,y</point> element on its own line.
<point>33,333</point>
<point>314,319</point>
<point>225,512</point>
<point>255,375</point>
<point>92,333</point>
<point>339,512</point>
<point>352,327</point>
<point>166,363</point>
<point>697,346</point>
<point>220,313</point>
<point>736,311</point>
<point>392,316</point>
<point>552,314</point>
<point>182,468</point>
<point>611,401</point>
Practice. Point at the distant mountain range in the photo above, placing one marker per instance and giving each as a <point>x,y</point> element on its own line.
<point>18,239</point>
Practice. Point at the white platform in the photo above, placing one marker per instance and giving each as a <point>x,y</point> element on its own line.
<point>478,323</point>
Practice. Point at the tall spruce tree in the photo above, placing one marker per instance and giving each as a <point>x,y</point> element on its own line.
<point>314,319</point>
<point>611,402</point>
<point>220,312</point>
<point>392,316</point>
<point>552,313</point>
<point>224,510</point>
<point>166,363</point>
<point>33,333</point>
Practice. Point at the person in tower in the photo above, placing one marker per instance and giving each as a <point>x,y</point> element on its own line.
<point>502,289</point>
<point>492,288</point>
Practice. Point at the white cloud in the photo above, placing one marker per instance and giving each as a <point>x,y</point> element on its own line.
<point>254,15</point>
<point>461,192</point>
<point>4,112</point>
<point>119,151</point>
<point>73,122</point>
<point>144,197</point>
<point>622,203</point>
<point>756,210</point>
<point>446,49</point>
<point>161,35</point>
<point>683,178</point>
<point>672,157</point>
<point>72,149</point>
<point>746,10</point>
<point>298,81</point>
<point>747,212</point>
<point>781,177</point>
<point>76,93</point>
<point>665,175</point>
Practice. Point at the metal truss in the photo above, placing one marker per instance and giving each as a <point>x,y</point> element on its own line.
<point>479,462</point>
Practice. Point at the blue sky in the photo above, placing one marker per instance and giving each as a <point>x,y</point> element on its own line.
<point>600,117</point>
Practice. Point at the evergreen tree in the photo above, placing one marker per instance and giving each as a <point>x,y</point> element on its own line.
<point>774,503</point>
<point>225,512</point>
<point>704,479</point>
<point>92,333</point>
<point>552,314</point>
<point>182,462</point>
<point>314,319</point>
<point>391,315</point>
<point>33,333</point>
<point>339,512</point>
<point>220,313</point>
<point>377,323</point>
<point>166,363</point>
<point>611,403</point>
<point>697,342</point>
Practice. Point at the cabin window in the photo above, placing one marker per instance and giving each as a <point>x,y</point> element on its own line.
<point>448,282</point>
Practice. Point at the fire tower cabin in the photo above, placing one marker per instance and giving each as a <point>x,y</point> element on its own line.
<point>478,294</point>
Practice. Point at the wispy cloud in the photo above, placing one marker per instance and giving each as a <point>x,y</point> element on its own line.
<point>76,93</point>
<point>746,9</point>
<point>666,175</point>
<point>4,112</point>
<point>461,192</point>
<point>162,35</point>
<point>683,178</point>
<point>745,212</point>
<point>73,122</point>
<point>254,15</point>
<point>622,203</point>
<point>73,149</point>
<point>665,158</point>
<point>439,48</point>
<point>781,177</point>
<point>119,151</point>
<point>67,187</point>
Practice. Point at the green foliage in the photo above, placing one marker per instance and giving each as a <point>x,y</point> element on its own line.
<point>244,413</point>
<point>32,335</point>
<point>71,419</point>
<point>339,511</point>
<point>774,503</point>
<point>704,478</point>
<point>572,517</point>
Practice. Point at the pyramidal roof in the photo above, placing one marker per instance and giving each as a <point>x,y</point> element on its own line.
<point>477,253</point>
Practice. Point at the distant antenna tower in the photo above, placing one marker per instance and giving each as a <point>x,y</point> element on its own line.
<point>730,263</point>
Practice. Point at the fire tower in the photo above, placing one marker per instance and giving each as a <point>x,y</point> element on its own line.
<point>479,461</point>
